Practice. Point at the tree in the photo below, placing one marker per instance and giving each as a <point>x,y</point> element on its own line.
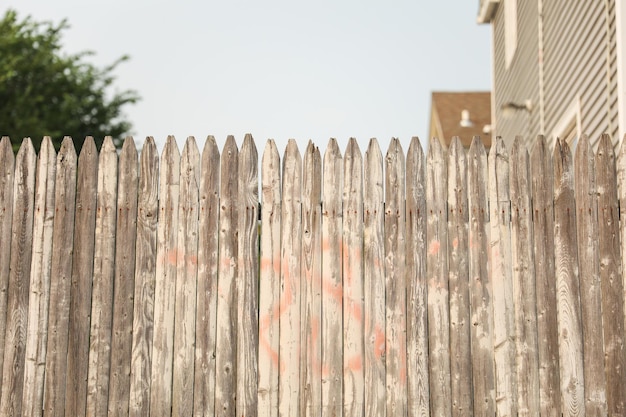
<point>44,92</point>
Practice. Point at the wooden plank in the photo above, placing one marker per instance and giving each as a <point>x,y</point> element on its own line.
<point>332,330</point>
<point>19,280</point>
<point>568,292</point>
<point>437,276</point>
<point>352,265</point>
<point>611,278</point>
<point>290,297</point>
<point>65,201</point>
<point>186,278</point>
<point>145,264</point>
<point>204,382</point>
<point>7,166</point>
<point>589,274</point>
<point>165,281</point>
<point>103,278</point>
<point>269,282</point>
<point>374,281</point>
<point>36,337</point>
<point>247,280</point>
<point>124,284</point>
<point>458,272</point>
<point>524,282</point>
<point>311,283</point>
<point>225,353</point>
<point>481,293</point>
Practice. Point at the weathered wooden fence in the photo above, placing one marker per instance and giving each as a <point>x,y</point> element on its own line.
<point>456,284</point>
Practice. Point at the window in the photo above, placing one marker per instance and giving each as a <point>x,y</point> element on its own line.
<point>510,30</point>
<point>569,127</point>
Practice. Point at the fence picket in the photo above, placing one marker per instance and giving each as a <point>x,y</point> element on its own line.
<point>611,278</point>
<point>621,194</point>
<point>247,280</point>
<point>19,280</point>
<point>43,223</point>
<point>165,281</point>
<point>206,303</point>
<point>145,266</point>
<point>458,272</point>
<point>568,293</point>
<point>374,282</point>
<point>481,293</point>
<point>186,281</point>
<point>65,201</point>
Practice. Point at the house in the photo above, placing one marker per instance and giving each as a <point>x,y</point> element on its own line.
<point>558,68</point>
<point>462,114</point>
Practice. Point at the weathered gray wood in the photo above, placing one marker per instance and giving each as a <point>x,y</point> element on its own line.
<point>226,342</point>
<point>103,278</point>
<point>290,300</point>
<point>374,281</point>
<point>19,280</point>
<point>481,295</point>
<point>543,248</point>
<point>65,202</point>
<point>621,195</point>
<point>458,272</point>
<point>352,264</point>
<point>332,330</point>
<point>124,284</point>
<point>524,283</point>
<point>502,284</point>
<point>269,285</point>
<point>568,293</point>
<point>586,195</point>
<point>7,166</point>
<point>36,336</point>
<point>206,303</point>
<point>165,281</point>
<point>186,276</point>
<point>311,284</point>
<point>437,275</point>
<point>611,279</point>
<point>145,266</point>
<point>247,280</point>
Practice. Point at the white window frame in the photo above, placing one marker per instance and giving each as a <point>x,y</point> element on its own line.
<point>510,31</point>
<point>572,115</point>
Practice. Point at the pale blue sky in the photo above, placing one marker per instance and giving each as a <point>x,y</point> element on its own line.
<point>280,69</point>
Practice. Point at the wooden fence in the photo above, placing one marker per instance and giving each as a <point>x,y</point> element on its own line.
<point>452,284</point>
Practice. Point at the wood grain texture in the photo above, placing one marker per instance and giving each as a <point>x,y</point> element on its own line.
<point>568,291</point>
<point>248,280</point>
<point>103,278</point>
<point>481,293</point>
<point>437,275</point>
<point>165,281</point>
<point>621,195</point>
<point>226,342</point>
<point>374,282</point>
<point>19,280</point>
<point>611,279</point>
<point>39,297</point>
<point>186,281</point>
<point>206,302</point>
<point>269,282</point>
<point>311,284</point>
<point>65,201</point>
<point>290,297</point>
<point>543,249</point>
<point>145,267</point>
<point>458,272</point>
<point>523,268</point>
<point>586,195</point>
<point>332,330</point>
<point>124,284</point>
<point>352,264</point>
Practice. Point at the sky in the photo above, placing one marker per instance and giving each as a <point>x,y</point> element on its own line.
<point>279,69</point>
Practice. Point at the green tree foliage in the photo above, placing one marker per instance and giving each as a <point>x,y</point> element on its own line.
<point>44,92</point>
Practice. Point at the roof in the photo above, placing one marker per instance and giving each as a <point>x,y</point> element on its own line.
<point>446,115</point>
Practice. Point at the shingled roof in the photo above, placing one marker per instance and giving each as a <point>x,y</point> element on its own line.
<point>446,115</point>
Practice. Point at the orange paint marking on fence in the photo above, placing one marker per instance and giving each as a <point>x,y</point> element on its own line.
<point>434,247</point>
